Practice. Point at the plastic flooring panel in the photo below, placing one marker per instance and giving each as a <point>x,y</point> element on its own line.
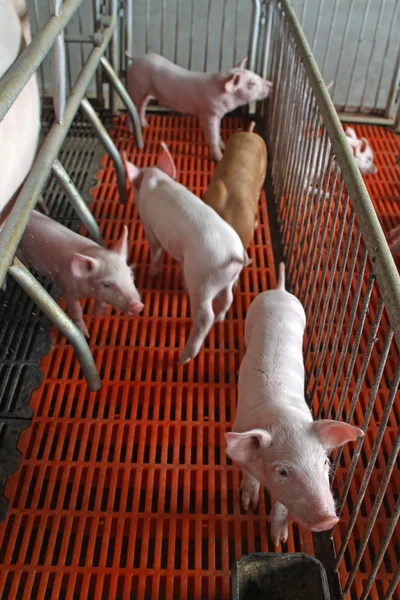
<point>128,493</point>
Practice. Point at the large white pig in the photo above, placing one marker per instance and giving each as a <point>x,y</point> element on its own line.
<point>274,438</point>
<point>208,249</point>
<point>209,96</point>
<point>80,267</point>
<point>19,130</point>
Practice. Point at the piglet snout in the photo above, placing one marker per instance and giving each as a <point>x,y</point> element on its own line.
<point>324,523</point>
<point>135,308</point>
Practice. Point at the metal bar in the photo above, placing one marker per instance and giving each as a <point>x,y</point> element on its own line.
<point>235,57</point>
<point>384,544</point>
<point>191,34</point>
<point>267,43</point>
<point>392,587</point>
<point>109,146</point>
<point>207,35</point>
<point>77,202</point>
<point>360,39</point>
<point>37,20</point>
<point>126,99</point>
<point>379,253</point>
<point>129,26</point>
<point>393,21</point>
<point>177,30</point>
<point>365,118</point>
<point>114,53</point>
<point>360,381</point>
<point>342,45</point>
<point>28,62</point>
<point>59,78</point>
<point>364,484</point>
<point>163,15</point>
<point>75,38</point>
<point>368,412</point>
<point>330,36</point>
<point>18,218</point>
<point>29,284</point>
<point>221,43</point>
<point>255,26</point>
<point>378,25</point>
<point>147,22</point>
<point>328,292</point>
<point>393,86</point>
<point>317,25</point>
<point>338,287</point>
<point>96,28</point>
<point>350,324</point>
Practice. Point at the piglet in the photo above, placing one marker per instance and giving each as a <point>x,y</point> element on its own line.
<point>236,184</point>
<point>208,249</point>
<point>80,267</point>
<point>394,240</point>
<point>209,96</point>
<point>274,438</point>
<point>363,154</point>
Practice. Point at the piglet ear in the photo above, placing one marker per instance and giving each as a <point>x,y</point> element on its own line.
<point>121,245</point>
<point>82,266</point>
<point>242,63</point>
<point>349,131</point>
<point>131,169</point>
<point>165,162</point>
<point>335,433</point>
<point>247,447</point>
<point>232,83</point>
<point>363,145</point>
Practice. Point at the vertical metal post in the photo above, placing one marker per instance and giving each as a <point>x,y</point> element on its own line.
<point>109,145</point>
<point>59,80</point>
<point>254,30</point>
<point>39,295</point>
<point>77,202</point>
<point>126,99</point>
<point>114,53</point>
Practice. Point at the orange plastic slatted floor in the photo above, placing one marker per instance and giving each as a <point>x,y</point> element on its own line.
<point>127,493</point>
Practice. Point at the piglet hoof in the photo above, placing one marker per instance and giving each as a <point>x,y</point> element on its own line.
<point>82,328</point>
<point>279,533</point>
<point>184,358</point>
<point>216,154</point>
<point>144,124</point>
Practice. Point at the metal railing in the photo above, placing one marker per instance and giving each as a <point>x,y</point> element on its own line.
<point>356,44</point>
<point>340,267</point>
<point>51,37</point>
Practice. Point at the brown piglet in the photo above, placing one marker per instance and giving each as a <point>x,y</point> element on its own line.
<point>236,184</point>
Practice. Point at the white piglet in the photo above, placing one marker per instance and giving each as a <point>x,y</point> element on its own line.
<point>209,96</point>
<point>274,438</point>
<point>208,249</point>
<point>81,268</point>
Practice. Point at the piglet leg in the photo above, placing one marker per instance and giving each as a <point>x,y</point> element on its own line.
<point>250,487</point>
<point>222,303</point>
<point>142,111</point>
<point>279,523</point>
<point>203,319</point>
<point>156,253</point>
<point>75,312</point>
<point>211,126</point>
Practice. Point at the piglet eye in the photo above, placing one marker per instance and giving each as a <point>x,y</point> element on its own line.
<point>106,284</point>
<point>251,84</point>
<point>283,472</point>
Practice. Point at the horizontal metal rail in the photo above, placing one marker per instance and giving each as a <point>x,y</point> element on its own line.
<point>16,222</point>
<point>375,241</point>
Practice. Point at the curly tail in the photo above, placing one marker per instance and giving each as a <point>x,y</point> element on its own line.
<point>251,128</point>
<point>281,278</point>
